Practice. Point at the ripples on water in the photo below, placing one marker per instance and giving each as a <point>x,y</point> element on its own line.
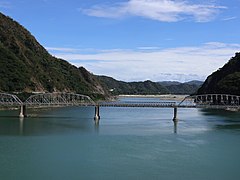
<point>129,143</point>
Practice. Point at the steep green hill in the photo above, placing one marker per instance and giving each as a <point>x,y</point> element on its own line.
<point>25,66</point>
<point>224,81</point>
<point>142,88</point>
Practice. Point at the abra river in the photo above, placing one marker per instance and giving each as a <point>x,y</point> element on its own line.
<point>129,143</point>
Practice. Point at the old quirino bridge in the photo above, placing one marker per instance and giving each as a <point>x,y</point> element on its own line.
<point>213,101</point>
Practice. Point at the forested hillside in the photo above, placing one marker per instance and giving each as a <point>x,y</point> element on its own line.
<point>190,87</point>
<point>27,67</point>
<point>142,88</point>
<point>226,80</point>
<point>148,87</point>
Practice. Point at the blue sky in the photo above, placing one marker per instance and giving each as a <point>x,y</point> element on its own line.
<point>134,40</point>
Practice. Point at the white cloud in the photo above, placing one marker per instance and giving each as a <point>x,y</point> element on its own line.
<point>61,49</point>
<point>160,10</point>
<point>229,18</point>
<point>148,48</point>
<point>180,63</point>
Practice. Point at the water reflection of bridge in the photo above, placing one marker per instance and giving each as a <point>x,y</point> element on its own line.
<point>213,101</point>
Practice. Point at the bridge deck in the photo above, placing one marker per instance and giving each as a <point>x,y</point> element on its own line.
<point>213,101</point>
<point>145,104</point>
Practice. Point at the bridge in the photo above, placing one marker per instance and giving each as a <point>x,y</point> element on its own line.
<point>45,100</point>
<point>159,104</point>
<point>213,101</point>
<point>9,100</point>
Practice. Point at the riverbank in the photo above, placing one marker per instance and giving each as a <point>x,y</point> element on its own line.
<point>8,108</point>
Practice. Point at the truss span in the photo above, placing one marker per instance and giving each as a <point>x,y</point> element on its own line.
<point>212,101</point>
<point>9,100</point>
<point>59,99</point>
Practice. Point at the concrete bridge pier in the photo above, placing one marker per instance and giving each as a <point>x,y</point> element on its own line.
<point>175,120</point>
<point>23,111</point>
<point>97,114</point>
<point>175,114</point>
<point>21,123</point>
<point>175,127</point>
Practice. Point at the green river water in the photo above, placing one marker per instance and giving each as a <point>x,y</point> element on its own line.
<point>129,143</point>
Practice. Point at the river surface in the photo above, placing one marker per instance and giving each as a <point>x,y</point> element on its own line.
<point>129,143</point>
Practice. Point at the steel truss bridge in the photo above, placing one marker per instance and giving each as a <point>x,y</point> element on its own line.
<point>59,99</point>
<point>9,100</point>
<point>47,99</point>
<point>213,101</point>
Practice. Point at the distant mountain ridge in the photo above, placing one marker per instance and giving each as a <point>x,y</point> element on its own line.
<point>148,87</point>
<point>175,87</point>
<point>142,88</point>
<point>226,80</point>
<point>26,66</point>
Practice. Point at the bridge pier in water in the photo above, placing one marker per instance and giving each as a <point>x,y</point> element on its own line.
<point>175,114</point>
<point>23,111</point>
<point>175,127</point>
<point>97,114</point>
<point>175,120</point>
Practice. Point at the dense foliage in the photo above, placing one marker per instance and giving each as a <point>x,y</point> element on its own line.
<point>26,66</point>
<point>224,81</point>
